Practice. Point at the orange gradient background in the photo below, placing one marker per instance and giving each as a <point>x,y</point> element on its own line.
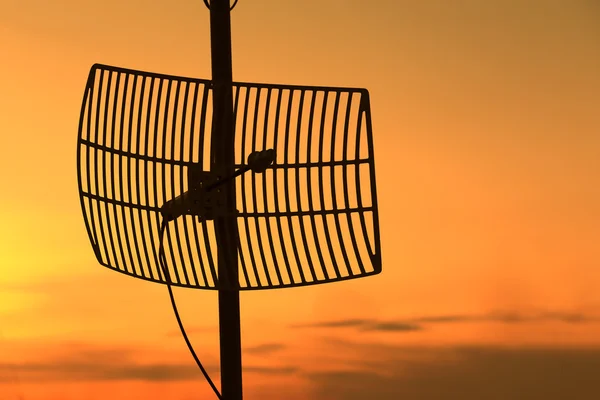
<point>487,142</point>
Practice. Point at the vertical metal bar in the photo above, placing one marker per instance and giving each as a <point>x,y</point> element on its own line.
<point>122,160</point>
<point>203,269</point>
<point>275,190</point>
<point>104,193</point>
<point>86,114</point>
<point>181,180</point>
<point>236,105</point>
<point>174,165</point>
<point>376,244</point>
<point>89,222</point>
<point>135,236</point>
<point>346,191</point>
<point>155,176</point>
<point>138,192</point>
<point>99,225</point>
<point>165,135</point>
<point>253,141</point>
<point>118,233</point>
<point>338,227</point>
<point>243,186</point>
<point>321,185</point>
<point>311,209</point>
<point>222,160</point>
<point>264,192</point>
<point>309,260</point>
<point>154,246</point>
<point>286,185</point>
<point>359,202</point>
<point>209,254</point>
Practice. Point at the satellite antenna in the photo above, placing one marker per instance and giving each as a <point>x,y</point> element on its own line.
<point>278,193</point>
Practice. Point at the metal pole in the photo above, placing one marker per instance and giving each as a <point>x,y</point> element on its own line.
<point>222,160</point>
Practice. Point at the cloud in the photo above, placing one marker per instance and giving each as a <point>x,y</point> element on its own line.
<point>512,317</point>
<point>272,370</point>
<point>266,348</point>
<point>468,373</point>
<point>78,362</point>
<point>91,371</point>
<point>418,323</point>
<point>86,372</point>
<point>344,323</point>
<point>364,325</point>
<point>391,327</point>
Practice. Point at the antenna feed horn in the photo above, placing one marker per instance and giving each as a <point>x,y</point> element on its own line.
<point>259,161</point>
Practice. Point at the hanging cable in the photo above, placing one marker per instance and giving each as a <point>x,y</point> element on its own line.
<point>207,4</point>
<point>258,162</point>
<point>163,264</point>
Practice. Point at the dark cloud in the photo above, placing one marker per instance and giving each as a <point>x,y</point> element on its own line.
<point>415,324</point>
<point>266,348</point>
<point>90,371</point>
<point>391,327</point>
<point>272,370</point>
<point>512,317</point>
<point>466,373</point>
<point>80,362</point>
<point>345,323</point>
<point>127,371</point>
<point>364,325</point>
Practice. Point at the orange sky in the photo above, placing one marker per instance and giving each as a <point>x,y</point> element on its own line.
<point>486,129</point>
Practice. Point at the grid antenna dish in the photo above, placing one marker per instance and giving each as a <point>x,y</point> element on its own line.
<point>144,154</point>
<point>148,167</point>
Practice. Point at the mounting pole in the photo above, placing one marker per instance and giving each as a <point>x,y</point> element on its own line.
<point>222,160</point>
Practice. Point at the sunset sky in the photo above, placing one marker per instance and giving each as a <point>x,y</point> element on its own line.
<point>486,121</point>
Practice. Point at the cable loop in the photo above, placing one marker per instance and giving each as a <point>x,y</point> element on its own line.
<point>167,275</point>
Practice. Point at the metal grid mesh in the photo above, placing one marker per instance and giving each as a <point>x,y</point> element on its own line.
<point>310,218</point>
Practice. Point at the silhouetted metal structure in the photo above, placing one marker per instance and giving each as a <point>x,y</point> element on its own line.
<point>149,163</point>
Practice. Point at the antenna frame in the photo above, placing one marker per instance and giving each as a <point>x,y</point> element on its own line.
<point>219,204</point>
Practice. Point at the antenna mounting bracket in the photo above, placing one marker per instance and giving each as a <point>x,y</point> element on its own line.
<point>197,200</point>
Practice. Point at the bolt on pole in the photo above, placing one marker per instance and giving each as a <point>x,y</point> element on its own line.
<point>222,161</point>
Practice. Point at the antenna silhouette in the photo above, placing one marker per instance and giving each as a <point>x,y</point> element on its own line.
<point>227,186</point>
